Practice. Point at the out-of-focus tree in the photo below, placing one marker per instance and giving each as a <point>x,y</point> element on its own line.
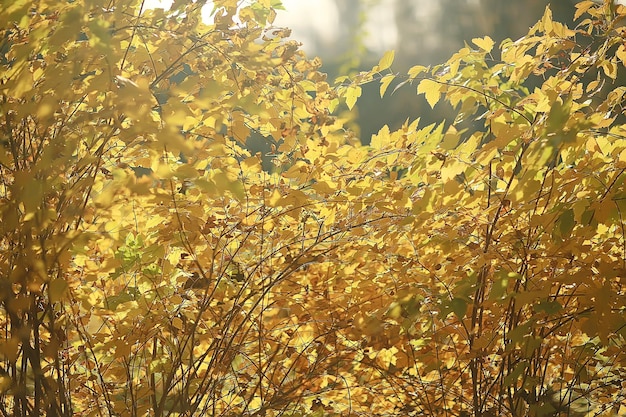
<point>350,46</point>
<point>458,21</point>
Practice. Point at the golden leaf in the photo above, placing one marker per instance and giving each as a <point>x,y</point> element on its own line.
<point>486,43</point>
<point>386,60</point>
<point>431,90</point>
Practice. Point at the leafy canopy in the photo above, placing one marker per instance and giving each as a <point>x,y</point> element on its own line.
<point>153,263</point>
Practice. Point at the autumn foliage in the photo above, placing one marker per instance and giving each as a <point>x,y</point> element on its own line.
<point>152,263</point>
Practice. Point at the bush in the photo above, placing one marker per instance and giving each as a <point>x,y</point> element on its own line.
<point>151,264</point>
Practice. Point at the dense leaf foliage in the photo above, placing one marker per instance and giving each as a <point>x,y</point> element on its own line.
<point>152,264</point>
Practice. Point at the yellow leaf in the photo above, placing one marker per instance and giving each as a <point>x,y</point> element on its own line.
<point>186,171</point>
<point>431,91</point>
<point>582,7</point>
<point>486,43</point>
<point>416,70</point>
<point>621,53</point>
<point>381,139</point>
<point>394,311</point>
<point>274,198</point>
<point>386,61</point>
<point>251,164</point>
<point>547,20</point>
<point>177,323</point>
<point>239,128</point>
<point>451,169</point>
<point>353,92</point>
<point>610,68</point>
<point>384,83</point>
<point>385,357</point>
<point>324,187</point>
<point>190,123</point>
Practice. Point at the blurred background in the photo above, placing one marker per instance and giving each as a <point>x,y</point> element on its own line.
<point>352,35</point>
